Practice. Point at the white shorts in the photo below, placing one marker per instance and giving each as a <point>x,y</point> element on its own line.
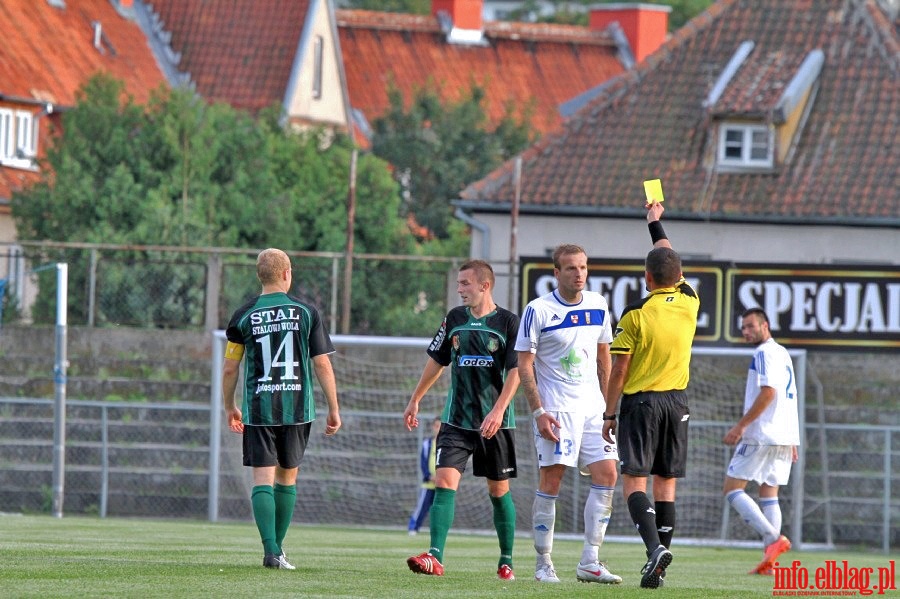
<point>765,464</point>
<point>580,442</point>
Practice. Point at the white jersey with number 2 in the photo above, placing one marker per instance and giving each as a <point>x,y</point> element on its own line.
<point>778,424</point>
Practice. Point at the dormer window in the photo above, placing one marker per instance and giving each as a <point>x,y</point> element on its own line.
<point>745,145</point>
<point>18,138</point>
<point>759,104</point>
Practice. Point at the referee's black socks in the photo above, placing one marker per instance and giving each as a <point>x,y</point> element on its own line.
<point>665,521</point>
<point>644,517</point>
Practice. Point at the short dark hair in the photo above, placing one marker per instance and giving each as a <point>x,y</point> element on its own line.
<point>483,271</point>
<point>759,312</point>
<point>664,265</point>
<point>564,250</point>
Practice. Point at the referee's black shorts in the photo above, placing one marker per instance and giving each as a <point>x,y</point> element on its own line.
<point>653,433</point>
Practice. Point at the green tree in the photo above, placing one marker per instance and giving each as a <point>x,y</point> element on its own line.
<point>181,172</point>
<point>437,148</point>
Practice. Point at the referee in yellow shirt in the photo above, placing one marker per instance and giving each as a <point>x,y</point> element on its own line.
<point>652,355</point>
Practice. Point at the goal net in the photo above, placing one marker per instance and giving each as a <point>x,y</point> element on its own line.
<point>368,474</point>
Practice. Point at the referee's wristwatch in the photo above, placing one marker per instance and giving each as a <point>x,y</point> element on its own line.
<point>609,417</point>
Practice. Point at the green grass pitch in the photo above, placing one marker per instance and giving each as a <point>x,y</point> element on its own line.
<point>41,556</point>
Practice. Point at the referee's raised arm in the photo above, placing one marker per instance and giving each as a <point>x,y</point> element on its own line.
<point>657,234</point>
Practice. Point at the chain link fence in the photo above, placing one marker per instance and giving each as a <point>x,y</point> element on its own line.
<point>174,458</point>
<point>199,288</point>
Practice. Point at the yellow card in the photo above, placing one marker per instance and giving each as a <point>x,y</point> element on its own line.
<point>653,189</point>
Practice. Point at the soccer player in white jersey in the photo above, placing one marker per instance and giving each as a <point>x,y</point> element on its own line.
<point>767,436</point>
<point>564,365</point>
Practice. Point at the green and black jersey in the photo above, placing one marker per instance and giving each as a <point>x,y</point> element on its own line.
<point>480,352</point>
<point>280,335</point>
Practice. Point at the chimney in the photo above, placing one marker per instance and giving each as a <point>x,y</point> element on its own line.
<point>124,8</point>
<point>645,25</point>
<point>465,14</point>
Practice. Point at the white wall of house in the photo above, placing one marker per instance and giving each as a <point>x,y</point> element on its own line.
<point>328,104</point>
<point>628,238</point>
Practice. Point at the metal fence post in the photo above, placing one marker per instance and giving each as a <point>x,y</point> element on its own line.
<point>886,510</point>
<point>104,461</point>
<point>215,423</point>
<point>92,288</point>
<point>213,284</point>
<point>59,372</point>
<point>799,473</point>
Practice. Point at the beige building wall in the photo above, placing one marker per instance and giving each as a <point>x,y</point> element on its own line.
<point>7,228</point>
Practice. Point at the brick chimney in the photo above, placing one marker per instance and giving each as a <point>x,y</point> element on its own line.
<point>465,14</point>
<point>645,25</point>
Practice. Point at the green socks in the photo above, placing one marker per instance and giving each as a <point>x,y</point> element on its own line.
<point>441,517</point>
<point>262,498</point>
<point>505,523</point>
<point>285,499</point>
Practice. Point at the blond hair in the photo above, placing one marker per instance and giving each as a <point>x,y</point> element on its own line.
<point>270,264</point>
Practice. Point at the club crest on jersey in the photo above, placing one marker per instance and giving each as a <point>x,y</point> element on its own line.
<point>455,341</point>
<point>493,345</point>
<point>573,318</point>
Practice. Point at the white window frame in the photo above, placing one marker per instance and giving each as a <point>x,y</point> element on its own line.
<point>18,138</point>
<point>749,141</point>
<point>318,59</point>
<point>7,135</point>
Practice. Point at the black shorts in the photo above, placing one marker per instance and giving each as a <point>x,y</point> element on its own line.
<point>494,458</point>
<point>275,445</point>
<point>653,433</point>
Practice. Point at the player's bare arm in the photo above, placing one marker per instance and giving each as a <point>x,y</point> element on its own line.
<point>604,365</point>
<point>763,400</point>
<point>230,373</point>
<point>430,374</point>
<point>617,375</point>
<point>654,214</point>
<point>325,375</point>
<point>494,419</point>
<point>544,421</point>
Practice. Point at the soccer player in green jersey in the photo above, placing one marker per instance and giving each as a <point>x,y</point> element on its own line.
<point>283,340</point>
<point>477,341</point>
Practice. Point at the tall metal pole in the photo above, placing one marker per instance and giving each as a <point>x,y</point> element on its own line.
<point>215,424</point>
<point>514,235</point>
<point>59,376</point>
<point>348,262</point>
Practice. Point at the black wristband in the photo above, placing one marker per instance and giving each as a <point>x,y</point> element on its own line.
<point>610,417</point>
<point>656,231</point>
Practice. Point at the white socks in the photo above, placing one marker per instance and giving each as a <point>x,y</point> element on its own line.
<point>753,516</point>
<point>543,517</point>
<point>771,509</point>
<point>597,510</point>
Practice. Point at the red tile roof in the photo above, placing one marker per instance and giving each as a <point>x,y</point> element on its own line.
<point>240,52</point>
<point>651,123</point>
<point>518,63</point>
<point>758,86</point>
<point>48,53</point>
